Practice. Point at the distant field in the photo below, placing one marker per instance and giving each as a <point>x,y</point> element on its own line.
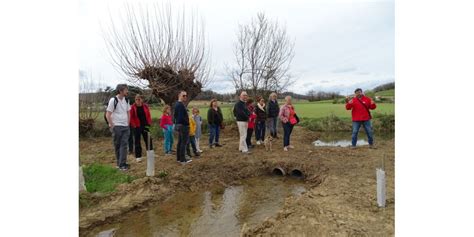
<point>304,109</point>
<point>390,92</point>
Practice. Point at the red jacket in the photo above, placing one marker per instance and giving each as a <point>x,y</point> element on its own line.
<point>134,120</point>
<point>165,120</point>
<point>360,110</point>
<point>252,118</point>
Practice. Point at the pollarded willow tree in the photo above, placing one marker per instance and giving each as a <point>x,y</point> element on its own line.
<point>159,48</point>
<point>263,53</point>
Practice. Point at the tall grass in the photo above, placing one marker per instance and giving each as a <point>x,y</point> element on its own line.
<point>103,178</point>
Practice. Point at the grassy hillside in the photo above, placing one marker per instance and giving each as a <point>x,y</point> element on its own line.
<point>390,92</point>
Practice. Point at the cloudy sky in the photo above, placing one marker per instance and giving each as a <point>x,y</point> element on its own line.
<point>339,44</point>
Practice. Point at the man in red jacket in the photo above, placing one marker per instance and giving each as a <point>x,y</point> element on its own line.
<point>140,120</point>
<point>361,106</point>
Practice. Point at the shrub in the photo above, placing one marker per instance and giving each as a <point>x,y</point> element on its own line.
<point>383,122</point>
<point>380,122</point>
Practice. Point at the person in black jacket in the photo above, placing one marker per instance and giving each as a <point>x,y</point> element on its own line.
<point>181,121</point>
<point>272,114</point>
<point>261,117</point>
<point>242,115</point>
<point>214,120</point>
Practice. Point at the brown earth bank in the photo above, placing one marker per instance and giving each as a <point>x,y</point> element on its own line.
<point>341,187</point>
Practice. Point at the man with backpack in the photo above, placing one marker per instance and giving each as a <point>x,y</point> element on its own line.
<point>361,106</point>
<point>118,118</point>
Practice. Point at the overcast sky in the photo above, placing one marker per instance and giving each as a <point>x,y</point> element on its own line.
<point>339,44</point>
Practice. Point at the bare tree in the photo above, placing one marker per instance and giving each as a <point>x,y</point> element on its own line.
<point>90,102</point>
<point>159,48</point>
<point>263,53</point>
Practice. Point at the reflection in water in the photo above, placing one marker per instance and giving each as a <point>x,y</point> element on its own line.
<point>218,212</point>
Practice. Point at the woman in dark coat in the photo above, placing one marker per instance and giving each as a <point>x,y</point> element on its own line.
<point>214,120</point>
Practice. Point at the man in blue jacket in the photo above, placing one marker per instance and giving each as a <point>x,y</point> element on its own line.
<point>181,121</point>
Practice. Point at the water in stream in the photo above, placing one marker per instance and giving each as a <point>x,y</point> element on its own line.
<point>340,139</point>
<point>214,212</point>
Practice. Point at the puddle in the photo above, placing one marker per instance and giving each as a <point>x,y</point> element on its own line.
<point>340,143</point>
<point>339,139</point>
<point>214,212</point>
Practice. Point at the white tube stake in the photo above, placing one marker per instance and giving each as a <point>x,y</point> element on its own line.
<point>150,158</point>
<point>380,187</point>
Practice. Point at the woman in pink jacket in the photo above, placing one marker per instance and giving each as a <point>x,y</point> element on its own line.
<point>288,119</point>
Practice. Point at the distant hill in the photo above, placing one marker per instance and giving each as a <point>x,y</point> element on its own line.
<point>384,87</point>
<point>384,93</point>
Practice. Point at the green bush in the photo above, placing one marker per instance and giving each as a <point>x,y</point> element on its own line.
<point>103,178</point>
<point>156,131</point>
<point>383,122</point>
<point>380,122</point>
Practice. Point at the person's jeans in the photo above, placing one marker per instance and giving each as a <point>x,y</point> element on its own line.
<point>287,129</point>
<point>243,135</point>
<point>130,140</point>
<point>272,126</point>
<point>260,131</point>
<point>191,142</point>
<point>213,134</point>
<point>169,140</point>
<point>183,134</point>
<point>248,139</point>
<point>141,132</point>
<point>120,137</point>
<point>197,143</point>
<point>368,129</point>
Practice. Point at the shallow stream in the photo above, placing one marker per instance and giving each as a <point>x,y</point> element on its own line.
<point>213,212</point>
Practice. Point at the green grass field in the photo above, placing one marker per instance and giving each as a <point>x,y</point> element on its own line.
<point>303,109</point>
<point>390,92</point>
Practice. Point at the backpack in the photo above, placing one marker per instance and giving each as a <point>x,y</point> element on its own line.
<point>115,106</point>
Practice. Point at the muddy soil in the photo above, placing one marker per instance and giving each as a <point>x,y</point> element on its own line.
<point>340,198</point>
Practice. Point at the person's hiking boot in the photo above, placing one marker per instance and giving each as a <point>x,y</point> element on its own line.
<point>246,152</point>
<point>291,147</point>
<point>285,148</point>
<point>218,145</point>
<point>125,167</point>
<point>138,159</point>
<point>211,146</point>
<point>372,146</point>
<point>258,142</point>
<point>353,147</point>
<point>250,146</point>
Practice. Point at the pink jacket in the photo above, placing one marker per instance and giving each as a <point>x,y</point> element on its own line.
<point>285,111</point>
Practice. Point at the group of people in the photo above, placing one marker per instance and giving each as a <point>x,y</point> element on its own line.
<point>262,117</point>
<point>127,121</point>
